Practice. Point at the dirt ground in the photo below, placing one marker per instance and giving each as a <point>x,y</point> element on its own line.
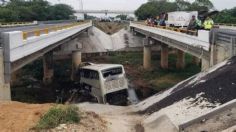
<point>110,27</point>
<point>20,117</point>
<point>90,122</point>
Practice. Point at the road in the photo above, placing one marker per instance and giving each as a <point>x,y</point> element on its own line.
<point>32,27</point>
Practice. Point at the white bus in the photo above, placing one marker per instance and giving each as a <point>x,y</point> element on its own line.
<point>106,82</point>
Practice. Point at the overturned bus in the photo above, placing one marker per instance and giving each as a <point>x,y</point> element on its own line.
<point>106,82</point>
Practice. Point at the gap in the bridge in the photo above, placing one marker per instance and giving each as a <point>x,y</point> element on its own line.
<point>28,86</point>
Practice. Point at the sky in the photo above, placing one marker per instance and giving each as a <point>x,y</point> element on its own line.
<point>129,4</point>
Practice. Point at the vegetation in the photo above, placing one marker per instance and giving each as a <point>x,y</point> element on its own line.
<point>154,8</point>
<point>157,78</point>
<point>226,16</point>
<point>122,17</point>
<point>59,115</point>
<point>40,10</point>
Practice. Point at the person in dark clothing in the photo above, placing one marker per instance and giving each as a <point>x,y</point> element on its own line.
<point>192,24</point>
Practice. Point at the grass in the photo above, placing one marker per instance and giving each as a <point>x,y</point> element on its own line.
<point>60,114</point>
<point>158,79</point>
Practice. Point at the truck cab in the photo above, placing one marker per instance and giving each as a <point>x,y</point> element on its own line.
<point>106,82</point>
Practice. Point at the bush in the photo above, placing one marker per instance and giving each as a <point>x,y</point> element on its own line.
<point>59,115</point>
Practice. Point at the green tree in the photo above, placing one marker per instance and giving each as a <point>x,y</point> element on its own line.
<point>30,10</point>
<point>226,16</point>
<point>60,12</point>
<point>155,8</point>
<point>200,5</point>
<point>182,5</point>
<point>122,17</point>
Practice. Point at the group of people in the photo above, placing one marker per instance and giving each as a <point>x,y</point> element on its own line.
<point>159,20</point>
<point>196,24</point>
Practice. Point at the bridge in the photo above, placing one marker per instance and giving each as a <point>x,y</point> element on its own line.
<point>22,45</point>
<point>125,12</point>
<point>209,47</point>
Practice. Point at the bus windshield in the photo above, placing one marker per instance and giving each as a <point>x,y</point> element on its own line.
<point>112,71</point>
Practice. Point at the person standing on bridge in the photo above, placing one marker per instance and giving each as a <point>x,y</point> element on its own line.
<point>194,23</point>
<point>208,23</point>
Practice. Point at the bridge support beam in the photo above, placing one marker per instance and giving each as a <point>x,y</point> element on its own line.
<point>48,68</point>
<point>164,56</point>
<point>196,60</point>
<point>5,90</point>
<point>147,53</point>
<point>205,65</point>
<point>180,64</point>
<point>76,61</point>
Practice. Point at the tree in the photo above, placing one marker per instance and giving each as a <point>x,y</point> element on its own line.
<point>30,10</point>
<point>182,5</point>
<point>200,5</point>
<point>155,8</point>
<point>122,17</point>
<point>60,12</point>
<point>226,16</point>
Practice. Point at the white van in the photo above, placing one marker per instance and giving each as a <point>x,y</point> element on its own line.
<point>106,82</point>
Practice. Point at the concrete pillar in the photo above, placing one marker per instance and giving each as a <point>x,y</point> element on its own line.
<point>147,57</point>
<point>5,91</point>
<point>76,61</point>
<point>205,65</point>
<point>164,56</point>
<point>14,77</point>
<point>48,68</point>
<point>180,64</point>
<point>196,60</point>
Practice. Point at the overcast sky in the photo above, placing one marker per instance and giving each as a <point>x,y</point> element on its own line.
<point>129,4</point>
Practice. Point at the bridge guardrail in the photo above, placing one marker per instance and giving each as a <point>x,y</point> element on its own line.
<point>189,32</point>
<point>39,32</point>
<point>225,24</point>
<point>14,24</point>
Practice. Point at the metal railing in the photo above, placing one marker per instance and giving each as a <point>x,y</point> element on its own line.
<point>225,24</point>
<point>182,30</point>
<point>39,32</point>
<point>11,24</point>
<point>227,38</point>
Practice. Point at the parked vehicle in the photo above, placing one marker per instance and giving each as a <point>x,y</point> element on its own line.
<point>180,18</point>
<point>106,82</point>
<point>79,17</point>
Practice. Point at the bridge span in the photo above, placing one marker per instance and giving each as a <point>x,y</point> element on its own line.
<point>211,47</point>
<point>126,12</point>
<point>22,47</point>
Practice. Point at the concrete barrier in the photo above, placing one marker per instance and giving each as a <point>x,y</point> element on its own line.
<point>216,111</point>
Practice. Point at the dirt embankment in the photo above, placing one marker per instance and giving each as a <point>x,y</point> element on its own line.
<point>23,117</point>
<point>20,117</point>
<point>110,27</point>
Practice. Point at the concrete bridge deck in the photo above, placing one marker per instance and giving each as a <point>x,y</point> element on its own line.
<point>196,45</point>
<point>24,46</point>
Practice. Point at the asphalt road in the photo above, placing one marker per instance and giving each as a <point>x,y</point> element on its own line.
<point>32,27</point>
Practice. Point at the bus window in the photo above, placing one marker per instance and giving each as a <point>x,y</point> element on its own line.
<point>112,72</point>
<point>89,74</point>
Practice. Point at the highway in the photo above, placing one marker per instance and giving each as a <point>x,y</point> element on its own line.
<point>32,27</point>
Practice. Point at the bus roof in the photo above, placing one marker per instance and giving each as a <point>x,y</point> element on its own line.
<point>99,67</point>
